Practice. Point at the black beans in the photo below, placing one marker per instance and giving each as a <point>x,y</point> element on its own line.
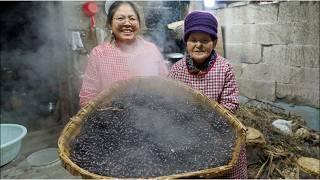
<point>143,134</point>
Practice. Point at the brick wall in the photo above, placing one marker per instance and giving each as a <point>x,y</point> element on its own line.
<point>274,49</point>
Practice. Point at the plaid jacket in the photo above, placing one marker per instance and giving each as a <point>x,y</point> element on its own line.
<point>219,83</point>
<point>107,63</point>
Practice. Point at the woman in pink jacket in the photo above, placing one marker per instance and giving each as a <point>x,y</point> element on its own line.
<point>125,56</point>
<point>205,70</point>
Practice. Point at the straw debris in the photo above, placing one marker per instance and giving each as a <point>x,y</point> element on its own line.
<point>280,154</point>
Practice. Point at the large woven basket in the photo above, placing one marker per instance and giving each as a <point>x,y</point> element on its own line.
<point>155,84</point>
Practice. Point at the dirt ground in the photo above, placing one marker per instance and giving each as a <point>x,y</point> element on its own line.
<point>277,158</point>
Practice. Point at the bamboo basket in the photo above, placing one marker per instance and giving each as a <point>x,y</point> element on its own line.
<point>156,84</point>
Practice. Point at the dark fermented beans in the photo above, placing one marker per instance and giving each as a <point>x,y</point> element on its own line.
<point>149,135</point>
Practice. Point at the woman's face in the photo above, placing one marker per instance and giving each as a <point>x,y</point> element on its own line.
<point>125,24</point>
<point>200,46</point>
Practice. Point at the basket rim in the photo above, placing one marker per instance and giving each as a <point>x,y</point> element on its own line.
<point>238,127</point>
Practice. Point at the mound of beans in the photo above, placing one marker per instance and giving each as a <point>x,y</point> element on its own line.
<point>141,134</point>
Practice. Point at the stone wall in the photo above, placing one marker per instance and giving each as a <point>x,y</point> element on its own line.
<point>274,49</point>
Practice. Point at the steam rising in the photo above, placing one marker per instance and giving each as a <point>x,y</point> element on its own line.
<point>33,55</point>
<point>157,15</point>
<point>30,48</point>
<point>149,132</point>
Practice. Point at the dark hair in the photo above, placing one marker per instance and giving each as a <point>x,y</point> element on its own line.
<point>114,7</point>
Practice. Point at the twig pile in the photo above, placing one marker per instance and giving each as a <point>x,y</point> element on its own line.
<point>281,151</point>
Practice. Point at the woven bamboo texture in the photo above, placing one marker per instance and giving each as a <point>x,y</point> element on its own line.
<point>73,127</point>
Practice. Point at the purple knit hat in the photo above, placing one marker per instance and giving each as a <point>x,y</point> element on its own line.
<point>200,21</point>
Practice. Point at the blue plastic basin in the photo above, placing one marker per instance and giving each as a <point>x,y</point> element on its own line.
<point>11,137</point>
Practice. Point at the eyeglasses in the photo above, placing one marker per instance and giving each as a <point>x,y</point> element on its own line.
<point>122,19</point>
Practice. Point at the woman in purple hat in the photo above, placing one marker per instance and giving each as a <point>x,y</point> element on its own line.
<point>204,69</point>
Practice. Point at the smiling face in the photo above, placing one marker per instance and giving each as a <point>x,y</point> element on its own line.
<point>125,24</point>
<point>200,46</point>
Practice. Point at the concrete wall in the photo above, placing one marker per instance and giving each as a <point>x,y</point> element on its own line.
<point>274,49</point>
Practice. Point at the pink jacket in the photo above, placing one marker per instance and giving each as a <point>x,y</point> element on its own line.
<point>107,63</point>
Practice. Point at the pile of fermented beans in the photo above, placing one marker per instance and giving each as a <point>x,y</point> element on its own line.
<point>144,134</point>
